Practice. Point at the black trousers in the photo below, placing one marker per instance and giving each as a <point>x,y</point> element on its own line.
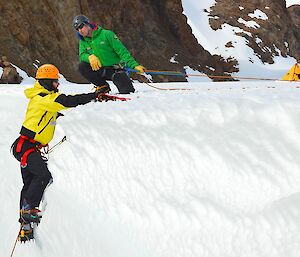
<point>35,175</point>
<point>118,76</point>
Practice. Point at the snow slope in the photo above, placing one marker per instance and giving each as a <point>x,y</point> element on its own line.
<point>210,172</point>
<point>214,41</point>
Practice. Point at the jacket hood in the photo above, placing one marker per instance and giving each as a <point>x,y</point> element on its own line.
<point>36,90</point>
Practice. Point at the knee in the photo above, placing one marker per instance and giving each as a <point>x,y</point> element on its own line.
<point>120,76</point>
<point>123,82</point>
<point>45,177</point>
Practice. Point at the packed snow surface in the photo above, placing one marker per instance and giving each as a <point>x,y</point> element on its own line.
<point>212,171</point>
<point>292,2</point>
<point>258,14</point>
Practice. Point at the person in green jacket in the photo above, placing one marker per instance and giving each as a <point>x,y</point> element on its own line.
<point>103,57</point>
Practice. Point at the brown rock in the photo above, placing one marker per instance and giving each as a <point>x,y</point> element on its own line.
<point>10,74</point>
<point>229,44</point>
<point>294,11</point>
<point>153,31</point>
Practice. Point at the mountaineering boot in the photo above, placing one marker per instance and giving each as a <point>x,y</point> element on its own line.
<point>32,215</point>
<point>28,214</point>
<point>26,233</point>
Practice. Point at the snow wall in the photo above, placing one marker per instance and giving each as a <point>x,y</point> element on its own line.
<point>209,172</point>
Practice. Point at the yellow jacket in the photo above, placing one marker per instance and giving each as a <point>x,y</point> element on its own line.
<point>41,113</point>
<point>43,108</point>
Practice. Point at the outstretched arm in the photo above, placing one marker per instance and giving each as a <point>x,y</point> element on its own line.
<point>75,100</point>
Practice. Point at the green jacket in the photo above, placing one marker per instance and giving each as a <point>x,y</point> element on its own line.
<point>107,47</point>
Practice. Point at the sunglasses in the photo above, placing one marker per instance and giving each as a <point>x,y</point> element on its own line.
<point>80,26</point>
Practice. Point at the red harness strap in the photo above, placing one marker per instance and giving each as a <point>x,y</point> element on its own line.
<point>24,157</point>
<point>21,142</point>
<point>28,151</point>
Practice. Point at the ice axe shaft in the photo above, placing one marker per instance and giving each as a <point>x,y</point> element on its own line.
<point>57,144</point>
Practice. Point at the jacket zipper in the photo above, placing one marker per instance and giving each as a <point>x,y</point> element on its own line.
<point>42,118</point>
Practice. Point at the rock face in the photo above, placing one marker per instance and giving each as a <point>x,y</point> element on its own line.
<point>39,31</point>
<point>294,11</point>
<point>269,28</point>
<point>153,31</point>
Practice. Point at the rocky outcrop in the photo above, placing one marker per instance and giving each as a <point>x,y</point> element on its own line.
<point>294,12</point>
<point>9,72</point>
<point>153,31</point>
<point>39,31</point>
<point>267,26</point>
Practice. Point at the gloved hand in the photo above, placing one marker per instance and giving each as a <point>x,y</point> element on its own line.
<point>140,68</point>
<point>94,62</point>
<point>102,97</point>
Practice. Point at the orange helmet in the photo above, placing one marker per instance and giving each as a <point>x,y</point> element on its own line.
<point>47,71</point>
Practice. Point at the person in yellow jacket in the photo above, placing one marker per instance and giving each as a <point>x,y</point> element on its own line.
<point>37,131</point>
<point>101,52</point>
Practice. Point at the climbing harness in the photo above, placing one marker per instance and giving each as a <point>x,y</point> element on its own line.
<point>38,147</point>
